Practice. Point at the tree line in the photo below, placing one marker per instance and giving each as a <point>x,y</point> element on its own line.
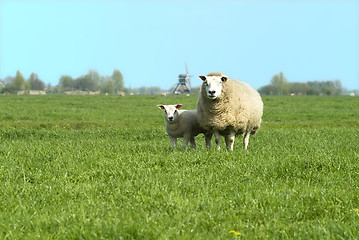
<point>279,85</point>
<point>19,83</point>
<point>92,81</point>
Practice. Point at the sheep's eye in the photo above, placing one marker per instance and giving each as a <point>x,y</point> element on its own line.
<point>206,83</point>
<point>165,111</point>
<point>176,111</point>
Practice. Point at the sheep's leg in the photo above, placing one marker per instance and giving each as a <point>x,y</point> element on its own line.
<point>230,141</point>
<point>208,138</point>
<point>217,137</point>
<point>246,140</point>
<point>193,142</point>
<point>173,141</point>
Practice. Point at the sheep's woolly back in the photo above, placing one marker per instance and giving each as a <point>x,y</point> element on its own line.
<point>239,107</point>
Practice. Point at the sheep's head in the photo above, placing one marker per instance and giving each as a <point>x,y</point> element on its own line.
<point>171,112</point>
<point>213,84</point>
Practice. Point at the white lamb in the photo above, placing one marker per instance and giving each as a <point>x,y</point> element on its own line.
<point>183,123</point>
<point>228,107</point>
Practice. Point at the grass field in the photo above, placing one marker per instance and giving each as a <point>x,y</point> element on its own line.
<point>101,167</point>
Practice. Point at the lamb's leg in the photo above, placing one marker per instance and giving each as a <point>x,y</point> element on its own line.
<point>193,142</point>
<point>186,139</point>
<point>208,138</point>
<point>173,141</point>
<point>230,141</point>
<point>246,140</point>
<point>217,137</point>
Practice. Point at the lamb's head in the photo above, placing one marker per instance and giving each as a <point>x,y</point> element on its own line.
<point>213,84</point>
<point>171,112</point>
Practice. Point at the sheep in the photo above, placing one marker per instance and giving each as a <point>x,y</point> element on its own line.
<point>228,107</point>
<point>183,123</point>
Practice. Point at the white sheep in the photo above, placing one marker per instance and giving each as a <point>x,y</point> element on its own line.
<point>183,123</point>
<point>228,107</point>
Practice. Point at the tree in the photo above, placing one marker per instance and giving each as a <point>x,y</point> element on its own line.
<point>267,89</point>
<point>66,83</point>
<point>117,79</point>
<point>326,87</point>
<point>93,81</point>
<point>18,84</point>
<point>338,87</point>
<point>280,84</point>
<point>299,88</point>
<point>88,82</point>
<point>108,87</point>
<point>35,83</point>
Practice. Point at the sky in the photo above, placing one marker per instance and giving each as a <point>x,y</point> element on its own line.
<point>150,41</point>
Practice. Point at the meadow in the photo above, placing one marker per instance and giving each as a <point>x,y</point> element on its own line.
<point>101,167</point>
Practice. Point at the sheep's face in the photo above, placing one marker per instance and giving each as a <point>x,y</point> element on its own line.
<point>171,113</point>
<point>213,85</point>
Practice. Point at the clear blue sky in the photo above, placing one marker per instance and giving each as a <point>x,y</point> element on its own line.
<point>150,41</point>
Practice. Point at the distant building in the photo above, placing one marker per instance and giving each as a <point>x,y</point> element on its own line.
<point>79,92</point>
<point>37,92</point>
<point>31,92</point>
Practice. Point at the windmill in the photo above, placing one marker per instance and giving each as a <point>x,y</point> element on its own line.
<point>184,84</point>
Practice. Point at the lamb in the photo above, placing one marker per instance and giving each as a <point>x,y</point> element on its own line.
<point>183,123</point>
<point>228,107</point>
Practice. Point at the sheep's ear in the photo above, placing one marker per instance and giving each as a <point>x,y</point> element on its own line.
<point>179,105</point>
<point>202,77</point>
<point>224,79</point>
<point>161,106</point>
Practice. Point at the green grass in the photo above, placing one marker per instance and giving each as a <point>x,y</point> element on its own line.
<point>101,167</point>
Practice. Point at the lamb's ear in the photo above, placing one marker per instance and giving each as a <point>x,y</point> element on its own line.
<point>161,106</point>
<point>224,79</point>
<point>202,77</point>
<point>179,105</point>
